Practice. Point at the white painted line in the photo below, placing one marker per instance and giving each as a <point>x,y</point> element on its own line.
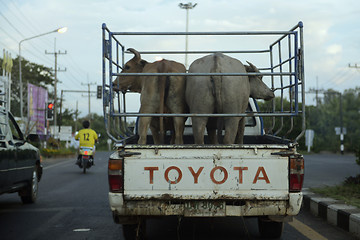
<point>81,230</point>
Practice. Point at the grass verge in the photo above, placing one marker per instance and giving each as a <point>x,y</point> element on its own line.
<point>49,153</point>
<point>348,192</point>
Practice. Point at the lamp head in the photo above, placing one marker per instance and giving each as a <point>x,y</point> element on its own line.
<point>62,30</point>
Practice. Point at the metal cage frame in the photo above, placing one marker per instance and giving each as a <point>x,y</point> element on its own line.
<point>294,62</point>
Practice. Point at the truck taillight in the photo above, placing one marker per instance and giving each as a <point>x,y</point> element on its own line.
<point>116,178</point>
<point>296,173</point>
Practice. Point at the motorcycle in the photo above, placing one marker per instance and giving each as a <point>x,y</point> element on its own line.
<point>85,158</point>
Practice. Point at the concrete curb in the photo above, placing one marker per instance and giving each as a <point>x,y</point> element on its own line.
<point>333,211</point>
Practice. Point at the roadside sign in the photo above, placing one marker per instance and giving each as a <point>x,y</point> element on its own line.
<point>309,137</point>
<point>337,130</point>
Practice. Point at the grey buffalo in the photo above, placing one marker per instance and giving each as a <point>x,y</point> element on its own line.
<point>222,94</point>
<point>159,94</point>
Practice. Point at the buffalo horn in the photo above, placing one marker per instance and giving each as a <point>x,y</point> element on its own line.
<point>136,53</point>
<point>253,66</point>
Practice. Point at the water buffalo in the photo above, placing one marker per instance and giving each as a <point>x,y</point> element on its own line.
<point>159,94</point>
<point>222,94</point>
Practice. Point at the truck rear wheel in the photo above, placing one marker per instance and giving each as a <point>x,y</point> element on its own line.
<point>270,229</point>
<point>134,231</point>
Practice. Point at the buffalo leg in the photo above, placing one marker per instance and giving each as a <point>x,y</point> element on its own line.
<point>144,124</point>
<point>199,124</point>
<point>179,123</point>
<point>231,126</point>
<point>155,134</point>
<point>212,136</point>
<point>240,133</point>
<point>211,130</point>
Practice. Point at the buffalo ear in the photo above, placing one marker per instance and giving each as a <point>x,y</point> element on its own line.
<point>143,62</point>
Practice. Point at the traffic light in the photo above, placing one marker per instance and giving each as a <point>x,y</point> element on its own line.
<point>99,92</point>
<point>50,111</point>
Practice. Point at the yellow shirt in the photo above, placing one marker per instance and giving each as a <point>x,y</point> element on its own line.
<point>86,137</point>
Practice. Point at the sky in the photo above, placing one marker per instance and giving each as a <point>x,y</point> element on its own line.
<point>331,35</point>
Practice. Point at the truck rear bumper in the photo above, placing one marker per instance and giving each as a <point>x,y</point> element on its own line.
<point>207,208</point>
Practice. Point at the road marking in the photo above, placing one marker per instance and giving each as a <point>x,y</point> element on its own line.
<point>306,230</point>
<point>82,230</point>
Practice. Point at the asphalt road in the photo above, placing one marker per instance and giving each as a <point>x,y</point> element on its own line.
<point>73,205</point>
<point>328,169</point>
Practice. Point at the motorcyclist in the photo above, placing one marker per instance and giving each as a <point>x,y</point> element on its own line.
<point>87,137</point>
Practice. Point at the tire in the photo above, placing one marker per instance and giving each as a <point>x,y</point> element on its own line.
<point>84,165</point>
<point>134,231</point>
<point>29,194</point>
<point>270,229</point>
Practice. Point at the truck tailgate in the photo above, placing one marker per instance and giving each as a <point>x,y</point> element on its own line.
<point>206,172</point>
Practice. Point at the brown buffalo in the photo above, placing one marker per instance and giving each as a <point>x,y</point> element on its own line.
<point>222,94</point>
<point>159,94</point>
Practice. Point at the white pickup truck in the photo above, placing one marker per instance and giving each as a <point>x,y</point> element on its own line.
<point>262,178</point>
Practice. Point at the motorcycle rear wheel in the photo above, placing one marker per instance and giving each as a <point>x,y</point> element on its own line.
<point>84,165</point>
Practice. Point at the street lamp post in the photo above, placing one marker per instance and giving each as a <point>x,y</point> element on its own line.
<point>187,6</point>
<point>59,30</point>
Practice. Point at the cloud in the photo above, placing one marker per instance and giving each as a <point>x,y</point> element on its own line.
<point>334,49</point>
<point>331,35</point>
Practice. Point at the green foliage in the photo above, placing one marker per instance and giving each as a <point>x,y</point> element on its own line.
<point>40,75</point>
<point>52,143</point>
<point>61,152</point>
<point>357,154</point>
<point>327,115</point>
<point>349,192</point>
<point>33,73</point>
<point>323,119</point>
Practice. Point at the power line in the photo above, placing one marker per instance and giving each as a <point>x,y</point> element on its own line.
<point>26,50</point>
<point>12,25</point>
<point>77,68</point>
<point>23,20</point>
<point>61,100</point>
<point>8,35</point>
<point>26,21</point>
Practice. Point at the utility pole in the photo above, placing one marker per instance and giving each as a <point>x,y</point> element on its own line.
<point>187,6</point>
<point>354,66</point>
<point>341,126</point>
<point>89,93</point>
<point>61,101</point>
<point>55,53</point>
<point>316,91</point>
<point>76,115</point>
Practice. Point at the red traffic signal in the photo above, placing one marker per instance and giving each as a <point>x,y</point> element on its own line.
<point>50,111</point>
<point>51,106</point>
